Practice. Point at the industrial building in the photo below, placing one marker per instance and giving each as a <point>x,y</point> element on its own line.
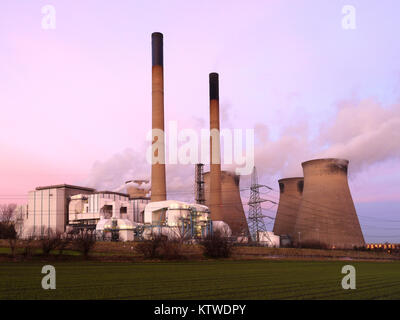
<point>123,215</point>
<point>177,220</point>
<point>65,207</point>
<point>48,208</point>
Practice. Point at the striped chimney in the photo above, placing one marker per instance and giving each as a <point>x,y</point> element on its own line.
<point>215,153</point>
<point>158,184</point>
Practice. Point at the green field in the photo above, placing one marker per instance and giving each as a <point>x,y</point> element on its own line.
<point>202,280</point>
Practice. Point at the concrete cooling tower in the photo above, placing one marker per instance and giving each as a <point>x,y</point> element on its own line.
<point>232,208</point>
<point>327,214</point>
<point>291,192</point>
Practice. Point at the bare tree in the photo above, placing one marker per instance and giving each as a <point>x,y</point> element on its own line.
<point>180,233</point>
<point>27,243</point>
<point>7,225</point>
<point>217,245</point>
<point>50,240</point>
<point>84,241</point>
<point>7,212</point>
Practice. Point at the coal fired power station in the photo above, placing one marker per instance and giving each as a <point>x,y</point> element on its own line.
<point>314,210</point>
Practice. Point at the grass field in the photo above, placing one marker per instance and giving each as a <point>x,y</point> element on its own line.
<point>201,280</point>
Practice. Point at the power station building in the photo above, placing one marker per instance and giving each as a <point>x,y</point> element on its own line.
<point>64,207</point>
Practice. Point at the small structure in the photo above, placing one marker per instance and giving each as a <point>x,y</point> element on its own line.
<point>115,229</point>
<point>176,220</point>
<point>268,239</point>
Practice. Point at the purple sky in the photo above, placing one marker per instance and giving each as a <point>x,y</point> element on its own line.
<point>81,93</point>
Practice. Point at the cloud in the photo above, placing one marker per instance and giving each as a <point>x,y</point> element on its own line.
<point>364,132</point>
<point>115,171</point>
<point>129,164</point>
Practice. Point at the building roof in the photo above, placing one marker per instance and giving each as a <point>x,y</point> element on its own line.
<point>67,186</point>
<point>113,192</point>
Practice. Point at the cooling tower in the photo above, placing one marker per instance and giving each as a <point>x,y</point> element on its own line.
<point>158,185</point>
<point>215,153</point>
<point>232,208</point>
<point>291,190</point>
<point>327,214</point>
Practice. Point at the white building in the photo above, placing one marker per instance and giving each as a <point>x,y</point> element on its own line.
<point>269,239</point>
<point>89,209</point>
<point>48,208</point>
<point>177,219</point>
<point>63,207</point>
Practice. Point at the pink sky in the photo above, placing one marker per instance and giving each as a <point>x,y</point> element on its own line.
<point>81,93</point>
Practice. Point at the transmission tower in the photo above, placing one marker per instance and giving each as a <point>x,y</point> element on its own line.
<point>199,183</point>
<point>255,216</point>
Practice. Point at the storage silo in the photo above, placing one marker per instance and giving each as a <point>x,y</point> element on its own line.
<point>327,215</point>
<point>291,192</point>
<point>232,208</point>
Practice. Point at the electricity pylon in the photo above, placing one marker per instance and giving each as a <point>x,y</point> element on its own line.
<point>255,216</point>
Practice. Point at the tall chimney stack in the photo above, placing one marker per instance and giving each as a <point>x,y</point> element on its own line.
<point>158,185</point>
<point>215,153</point>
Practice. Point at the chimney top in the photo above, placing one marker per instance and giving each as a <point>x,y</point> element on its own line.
<point>214,87</point>
<point>157,48</point>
